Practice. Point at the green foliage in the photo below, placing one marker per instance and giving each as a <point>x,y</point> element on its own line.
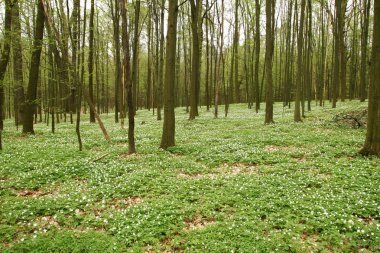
<point>230,185</point>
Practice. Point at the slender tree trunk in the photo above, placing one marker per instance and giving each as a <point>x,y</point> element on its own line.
<point>91,61</point>
<point>127,78</point>
<point>208,56</point>
<point>257,56</point>
<point>150,49</point>
<point>342,46</point>
<point>336,81</point>
<point>168,133</point>
<point>300,69</point>
<point>135,48</point>
<point>372,143</point>
<point>270,12</point>
<point>196,58</point>
<point>30,104</point>
<point>17,64</point>
<point>4,60</point>
<point>75,69</point>
<point>161,65</point>
<point>236,54</point>
<point>116,33</point>
<point>364,50</point>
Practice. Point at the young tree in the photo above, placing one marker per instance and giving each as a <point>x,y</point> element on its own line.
<point>17,63</point>
<point>269,45</point>
<point>91,61</point>
<point>168,133</point>
<point>364,50</point>
<point>4,59</point>
<point>127,78</point>
<point>257,55</point>
<point>300,68</point>
<point>116,33</point>
<point>196,24</point>
<point>372,143</point>
<point>30,103</point>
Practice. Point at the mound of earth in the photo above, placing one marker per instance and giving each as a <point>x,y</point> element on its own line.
<point>353,119</point>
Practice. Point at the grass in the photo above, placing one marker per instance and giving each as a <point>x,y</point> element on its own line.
<point>230,185</point>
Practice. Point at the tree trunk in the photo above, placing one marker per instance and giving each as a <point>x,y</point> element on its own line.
<point>161,64</point>
<point>91,61</point>
<point>196,58</point>
<point>372,143</point>
<point>135,48</point>
<point>17,64</point>
<point>364,50</point>
<point>168,133</point>
<point>30,104</point>
<point>300,69</point>
<point>4,60</point>
<point>257,57</point>
<point>269,44</point>
<point>127,78</point>
<point>116,33</point>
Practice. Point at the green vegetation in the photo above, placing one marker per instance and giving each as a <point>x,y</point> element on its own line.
<point>230,185</point>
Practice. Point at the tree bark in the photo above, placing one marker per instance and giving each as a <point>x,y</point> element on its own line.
<point>168,133</point>
<point>196,58</point>
<point>4,60</point>
<point>91,61</point>
<point>257,57</point>
<point>300,69</point>
<point>17,64</point>
<point>30,104</point>
<point>269,44</point>
<point>364,50</point>
<point>127,78</point>
<point>372,143</point>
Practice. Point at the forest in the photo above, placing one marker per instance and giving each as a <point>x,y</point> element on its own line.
<point>190,126</point>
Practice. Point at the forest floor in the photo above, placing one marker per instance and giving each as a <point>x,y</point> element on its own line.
<point>231,185</point>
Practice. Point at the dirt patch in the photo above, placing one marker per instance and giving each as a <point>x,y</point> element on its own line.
<point>299,159</point>
<point>120,204</point>
<point>31,193</point>
<point>128,156</point>
<point>223,170</point>
<point>313,237</point>
<point>165,246</point>
<point>198,176</point>
<point>4,179</point>
<point>47,221</point>
<point>238,168</point>
<point>198,223</point>
<point>274,148</point>
<point>51,221</point>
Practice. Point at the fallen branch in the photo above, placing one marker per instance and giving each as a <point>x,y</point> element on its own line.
<point>100,158</point>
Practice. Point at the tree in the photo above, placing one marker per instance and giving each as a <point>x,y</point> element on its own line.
<point>269,45</point>
<point>17,63</point>
<point>342,49</point>
<point>300,69</point>
<point>75,69</point>
<point>127,78</point>
<point>168,133</point>
<point>257,56</point>
<point>364,50</point>
<point>372,143</point>
<point>30,103</point>
<point>116,33</point>
<point>196,24</point>
<point>91,61</point>
<point>4,59</point>
<point>160,66</point>
<point>235,60</point>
